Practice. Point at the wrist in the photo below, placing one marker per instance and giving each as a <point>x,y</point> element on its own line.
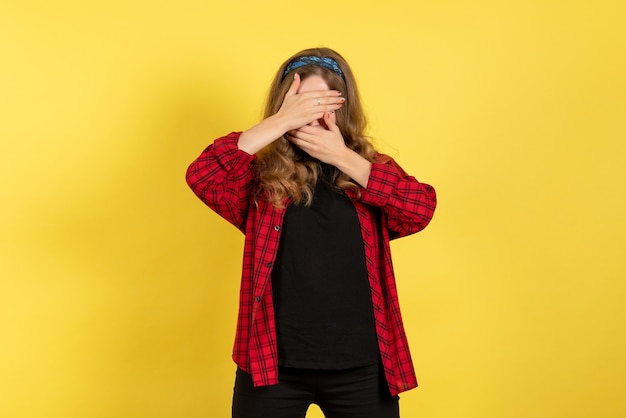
<point>262,134</point>
<point>279,123</point>
<point>355,166</point>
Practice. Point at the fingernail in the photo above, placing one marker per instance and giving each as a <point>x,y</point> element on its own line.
<point>342,99</point>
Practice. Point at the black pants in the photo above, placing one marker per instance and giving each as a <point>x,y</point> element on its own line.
<point>354,393</point>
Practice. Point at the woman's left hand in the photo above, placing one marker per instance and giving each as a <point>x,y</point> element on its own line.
<point>322,142</point>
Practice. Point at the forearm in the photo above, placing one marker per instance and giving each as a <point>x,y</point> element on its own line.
<point>355,166</point>
<point>264,133</point>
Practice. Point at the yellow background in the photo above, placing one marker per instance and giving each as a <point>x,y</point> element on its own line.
<point>118,288</point>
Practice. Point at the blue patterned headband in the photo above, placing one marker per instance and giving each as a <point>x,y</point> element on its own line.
<point>329,63</point>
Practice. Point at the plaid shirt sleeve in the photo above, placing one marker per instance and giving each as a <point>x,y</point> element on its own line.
<point>223,179</point>
<point>408,204</point>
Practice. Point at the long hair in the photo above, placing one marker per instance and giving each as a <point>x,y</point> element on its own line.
<point>285,171</point>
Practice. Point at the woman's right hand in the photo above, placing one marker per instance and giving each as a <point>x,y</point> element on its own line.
<point>300,109</point>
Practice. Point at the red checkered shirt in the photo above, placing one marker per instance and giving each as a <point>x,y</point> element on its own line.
<point>392,205</point>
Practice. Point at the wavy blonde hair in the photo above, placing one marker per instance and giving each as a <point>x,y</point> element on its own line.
<point>285,171</point>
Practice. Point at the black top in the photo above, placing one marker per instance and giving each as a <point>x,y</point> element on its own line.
<point>322,299</point>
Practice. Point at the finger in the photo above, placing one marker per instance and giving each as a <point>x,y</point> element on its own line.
<point>307,132</point>
<point>332,95</point>
<point>292,134</point>
<point>307,129</point>
<point>295,85</point>
<point>296,141</point>
<point>299,134</point>
<point>331,121</point>
<point>331,103</point>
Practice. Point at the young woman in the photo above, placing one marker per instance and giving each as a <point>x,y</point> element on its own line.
<point>319,320</point>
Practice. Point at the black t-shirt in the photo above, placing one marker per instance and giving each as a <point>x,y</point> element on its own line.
<point>322,299</point>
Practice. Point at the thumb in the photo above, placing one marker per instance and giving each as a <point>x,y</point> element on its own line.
<point>295,85</point>
<point>331,122</point>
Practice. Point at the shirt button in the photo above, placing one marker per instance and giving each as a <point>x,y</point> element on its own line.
<point>268,264</point>
<point>258,298</point>
<point>277,228</point>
